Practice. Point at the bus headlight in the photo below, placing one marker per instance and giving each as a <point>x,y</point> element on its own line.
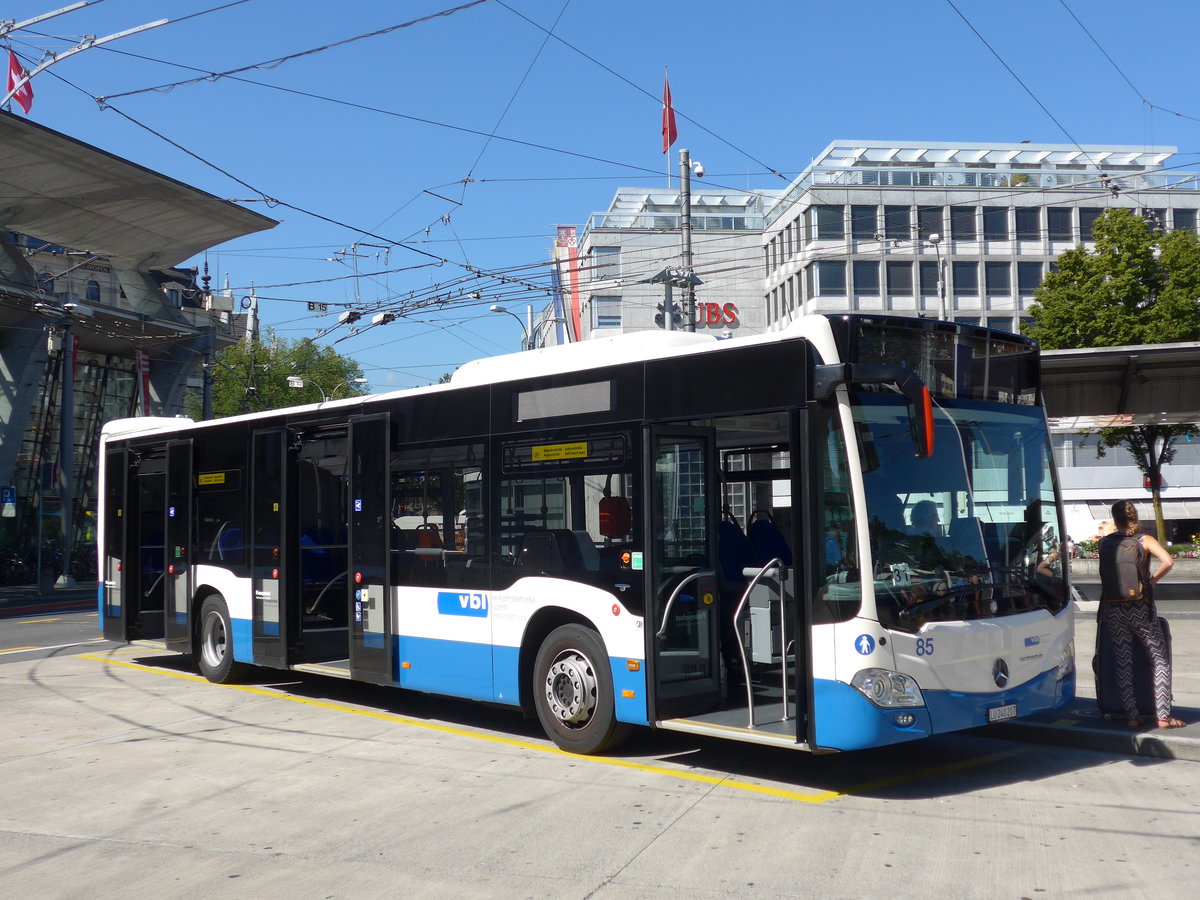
<point>888,689</point>
<point>1066,660</point>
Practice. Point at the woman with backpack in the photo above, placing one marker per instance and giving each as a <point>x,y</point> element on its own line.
<point>1127,610</point>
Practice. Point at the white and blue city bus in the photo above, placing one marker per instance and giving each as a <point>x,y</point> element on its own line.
<point>833,537</point>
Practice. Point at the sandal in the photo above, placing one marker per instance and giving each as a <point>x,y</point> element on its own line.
<point>1134,722</point>
<point>1171,722</point>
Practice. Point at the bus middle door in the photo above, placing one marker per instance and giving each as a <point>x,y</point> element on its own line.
<point>683,608</point>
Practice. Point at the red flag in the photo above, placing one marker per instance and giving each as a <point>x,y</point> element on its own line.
<point>24,96</point>
<point>670,134</point>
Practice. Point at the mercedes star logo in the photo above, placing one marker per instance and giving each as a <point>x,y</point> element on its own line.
<point>1000,673</point>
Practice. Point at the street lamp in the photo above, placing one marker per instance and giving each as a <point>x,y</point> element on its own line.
<point>549,321</point>
<point>347,383</point>
<point>525,338</point>
<point>936,240</point>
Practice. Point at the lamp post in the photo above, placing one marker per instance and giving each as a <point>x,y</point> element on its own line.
<point>936,240</point>
<point>685,234</point>
<point>526,340</point>
<point>550,321</point>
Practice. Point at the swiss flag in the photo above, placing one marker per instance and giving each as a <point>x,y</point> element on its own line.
<point>670,134</point>
<point>24,96</point>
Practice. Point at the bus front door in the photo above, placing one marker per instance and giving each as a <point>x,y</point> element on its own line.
<point>370,614</point>
<point>683,609</point>
<point>117,569</point>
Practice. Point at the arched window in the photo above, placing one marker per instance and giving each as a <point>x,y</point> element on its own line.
<point>93,292</point>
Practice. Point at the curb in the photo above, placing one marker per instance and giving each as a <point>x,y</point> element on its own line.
<point>1087,729</point>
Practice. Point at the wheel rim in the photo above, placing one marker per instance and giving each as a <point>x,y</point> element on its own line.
<point>571,689</point>
<point>213,639</point>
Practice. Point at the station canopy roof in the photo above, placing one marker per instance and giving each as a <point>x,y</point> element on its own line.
<point>66,192</point>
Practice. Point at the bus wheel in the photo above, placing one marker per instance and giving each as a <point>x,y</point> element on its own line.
<point>214,641</point>
<point>573,692</point>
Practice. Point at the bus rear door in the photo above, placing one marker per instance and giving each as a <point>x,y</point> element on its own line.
<point>177,527</point>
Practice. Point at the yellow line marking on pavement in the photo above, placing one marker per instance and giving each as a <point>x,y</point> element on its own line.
<point>38,621</point>
<point>714,780</point>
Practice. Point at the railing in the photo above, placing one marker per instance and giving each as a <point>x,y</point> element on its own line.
<point>670,221</point>
<point>774,567</point>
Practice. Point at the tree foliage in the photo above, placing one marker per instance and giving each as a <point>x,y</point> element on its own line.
<point>1137,286</point>
<point>252,376</point>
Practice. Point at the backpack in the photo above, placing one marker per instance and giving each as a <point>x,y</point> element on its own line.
<point>1121,567</point>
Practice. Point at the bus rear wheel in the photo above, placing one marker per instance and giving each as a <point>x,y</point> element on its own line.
<point>573,691</point>
<point>214,642</point>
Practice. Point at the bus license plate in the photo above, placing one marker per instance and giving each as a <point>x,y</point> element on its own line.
<point>1000,713</point>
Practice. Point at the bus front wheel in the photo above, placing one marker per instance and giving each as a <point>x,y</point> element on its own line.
<point>214,640</point>
<point>573,691</point>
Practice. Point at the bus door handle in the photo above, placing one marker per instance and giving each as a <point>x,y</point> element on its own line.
<point>701,573</point>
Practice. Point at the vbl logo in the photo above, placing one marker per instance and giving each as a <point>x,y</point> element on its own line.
<point>453,603</point>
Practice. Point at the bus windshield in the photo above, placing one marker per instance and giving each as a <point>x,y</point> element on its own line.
<point>971,532</point>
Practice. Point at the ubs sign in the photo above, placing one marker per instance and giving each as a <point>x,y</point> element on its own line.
<point>716,314</point>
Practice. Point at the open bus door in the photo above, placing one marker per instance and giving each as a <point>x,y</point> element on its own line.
<point>177,528</point>
<point>269,545</point>
<point>116,561</point>
<point>370,615</point>
<point>682,607</point>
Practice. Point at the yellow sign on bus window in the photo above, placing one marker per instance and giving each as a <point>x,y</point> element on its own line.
<point>551,452</point>
<point>207,478</point>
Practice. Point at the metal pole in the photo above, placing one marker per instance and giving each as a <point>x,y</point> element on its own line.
<point>66,450</point>
<point>207,411</point>
<point>685,229</point>
<point>668,308</point>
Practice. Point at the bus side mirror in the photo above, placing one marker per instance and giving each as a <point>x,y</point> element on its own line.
<point>826,379</point>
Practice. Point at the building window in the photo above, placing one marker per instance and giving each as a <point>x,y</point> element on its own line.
<point>92,292</point>
<point>995,223</point>
<point>1028,226</point>
<point>864,223</point>
<point>866,277</point>
<point>1058,223</point>
<point>175,297</point>
<point>831,278</point>
<point>899,278</point>
<point>1087,218</point>
<point>897,223</point>
<point>962,223</point>
<point>606,263</point>
<point>45,282</point>
<point>929,277</point>
<point>1184,219</point>
<point>830,224</point>
<point>966,278</point>
<point>1029,277</point>
<point>929,221</point>
<point>606,312</point>
<point>996,278</point>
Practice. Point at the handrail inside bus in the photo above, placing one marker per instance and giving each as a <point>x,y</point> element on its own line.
<point>699,573</point>
<point>771,568</point>
<point>828,378</point>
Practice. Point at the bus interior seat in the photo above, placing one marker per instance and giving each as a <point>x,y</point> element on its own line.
<point>231,545</point>
<point>734,551</point>
<point>767,539</point>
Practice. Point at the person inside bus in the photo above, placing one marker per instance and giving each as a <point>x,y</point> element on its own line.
<point>924,519</point>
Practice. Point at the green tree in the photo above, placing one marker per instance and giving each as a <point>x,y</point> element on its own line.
<point>253,376</point>
<point>1137,286</point>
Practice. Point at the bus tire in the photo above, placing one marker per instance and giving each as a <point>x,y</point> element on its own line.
<point>573,691</point>
<point>214,642</point>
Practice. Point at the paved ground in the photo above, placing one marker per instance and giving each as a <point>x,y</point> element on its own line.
<point>1082,725</point>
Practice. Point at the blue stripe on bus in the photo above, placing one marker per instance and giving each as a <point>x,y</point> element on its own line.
<point>453,668</point>
<point>846,720</point>
<point>243,640</point>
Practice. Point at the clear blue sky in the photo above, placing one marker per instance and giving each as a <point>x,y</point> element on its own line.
<point>773,83</point>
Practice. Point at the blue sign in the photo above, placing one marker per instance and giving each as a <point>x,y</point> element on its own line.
<point>358,504</point>
<point>467,603</point>
<point>8,494</point>
<point>864,644</point>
